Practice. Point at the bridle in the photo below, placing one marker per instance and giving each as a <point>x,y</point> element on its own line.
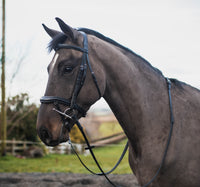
<point>72,105</point>
<point>71,102</point>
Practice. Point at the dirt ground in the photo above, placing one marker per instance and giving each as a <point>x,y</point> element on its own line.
<point>64,180</point>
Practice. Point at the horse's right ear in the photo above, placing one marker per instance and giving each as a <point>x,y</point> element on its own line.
<point>50,32</point>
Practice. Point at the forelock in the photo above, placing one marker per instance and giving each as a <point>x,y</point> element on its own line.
<point>58,39</point>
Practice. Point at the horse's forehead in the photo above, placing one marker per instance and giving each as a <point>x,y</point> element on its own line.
<point>63,55</point>
<point>54,60</point>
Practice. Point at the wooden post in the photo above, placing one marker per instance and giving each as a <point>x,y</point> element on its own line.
<point>24,146</point>
<point>13,147</point>
<point>3,102</point>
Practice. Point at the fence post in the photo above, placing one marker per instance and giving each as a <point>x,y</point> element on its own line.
<point>24,145</point>
<point>13,147</point>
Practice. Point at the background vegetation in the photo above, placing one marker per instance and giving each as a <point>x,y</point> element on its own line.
<point>108,129</point>
<point>21,118</point>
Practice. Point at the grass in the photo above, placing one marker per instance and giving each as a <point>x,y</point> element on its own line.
<point>108,129</point>
<point>107,157</point>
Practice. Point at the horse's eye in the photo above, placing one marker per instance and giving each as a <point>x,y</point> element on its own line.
<point>68,69</point>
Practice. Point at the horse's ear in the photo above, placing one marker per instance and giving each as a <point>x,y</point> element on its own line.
<point>69,31</point>
<point>50,32</point>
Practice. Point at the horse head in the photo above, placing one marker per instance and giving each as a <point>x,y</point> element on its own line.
<point>75,83</point>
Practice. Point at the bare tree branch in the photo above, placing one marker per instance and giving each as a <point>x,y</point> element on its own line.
<point>14,124</point>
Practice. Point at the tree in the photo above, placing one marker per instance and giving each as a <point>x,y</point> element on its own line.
<point>22,117</point>
<point>76,136</point>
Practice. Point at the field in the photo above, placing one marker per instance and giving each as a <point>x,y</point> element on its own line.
<point>107,157</point>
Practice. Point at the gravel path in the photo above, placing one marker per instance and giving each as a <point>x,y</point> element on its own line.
<point>64,180</point>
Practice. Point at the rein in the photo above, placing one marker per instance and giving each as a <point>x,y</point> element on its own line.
<point>94,157</point>
<point>70,112</point>
<point>170,133</point>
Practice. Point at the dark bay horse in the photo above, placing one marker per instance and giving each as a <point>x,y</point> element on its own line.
<point>138,96</point>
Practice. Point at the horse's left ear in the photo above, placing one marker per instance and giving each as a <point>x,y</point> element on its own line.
<point>69,31</point>
<point>50,32</point>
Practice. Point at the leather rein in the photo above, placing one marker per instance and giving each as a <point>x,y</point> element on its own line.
<point>73,107</point>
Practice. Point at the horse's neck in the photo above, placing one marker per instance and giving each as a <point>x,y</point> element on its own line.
<point>137,94</point>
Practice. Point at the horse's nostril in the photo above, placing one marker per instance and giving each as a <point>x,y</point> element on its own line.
<point>45,134</point>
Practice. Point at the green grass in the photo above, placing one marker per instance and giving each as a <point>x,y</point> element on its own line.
<point>107,157</point>
<point>108,129</point>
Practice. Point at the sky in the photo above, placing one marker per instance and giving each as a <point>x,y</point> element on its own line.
<point>166,33</point>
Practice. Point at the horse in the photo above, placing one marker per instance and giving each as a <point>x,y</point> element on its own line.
<point>138,95</point>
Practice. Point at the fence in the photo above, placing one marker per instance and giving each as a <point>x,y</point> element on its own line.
<point>65,148</point>
<point>17,147</point>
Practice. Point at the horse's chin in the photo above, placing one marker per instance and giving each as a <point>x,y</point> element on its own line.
<point>54,143</point>
<point>64,137</point>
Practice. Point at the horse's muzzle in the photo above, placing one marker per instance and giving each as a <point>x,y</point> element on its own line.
<point>47,137</point>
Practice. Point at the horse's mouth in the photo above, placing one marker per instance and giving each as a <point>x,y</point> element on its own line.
<point>49,139</point>
<point>54,143</point>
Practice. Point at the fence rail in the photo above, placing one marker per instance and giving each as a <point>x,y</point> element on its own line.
<point>16,146</point>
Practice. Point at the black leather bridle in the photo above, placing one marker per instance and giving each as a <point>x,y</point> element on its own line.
<point>73,106</point>
<point>71,102</point>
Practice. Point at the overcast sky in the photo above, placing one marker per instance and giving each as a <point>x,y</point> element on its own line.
<point>164,32</point>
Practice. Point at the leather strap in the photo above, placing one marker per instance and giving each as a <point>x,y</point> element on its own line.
<point>65,46</point>
<point>60,100</point>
